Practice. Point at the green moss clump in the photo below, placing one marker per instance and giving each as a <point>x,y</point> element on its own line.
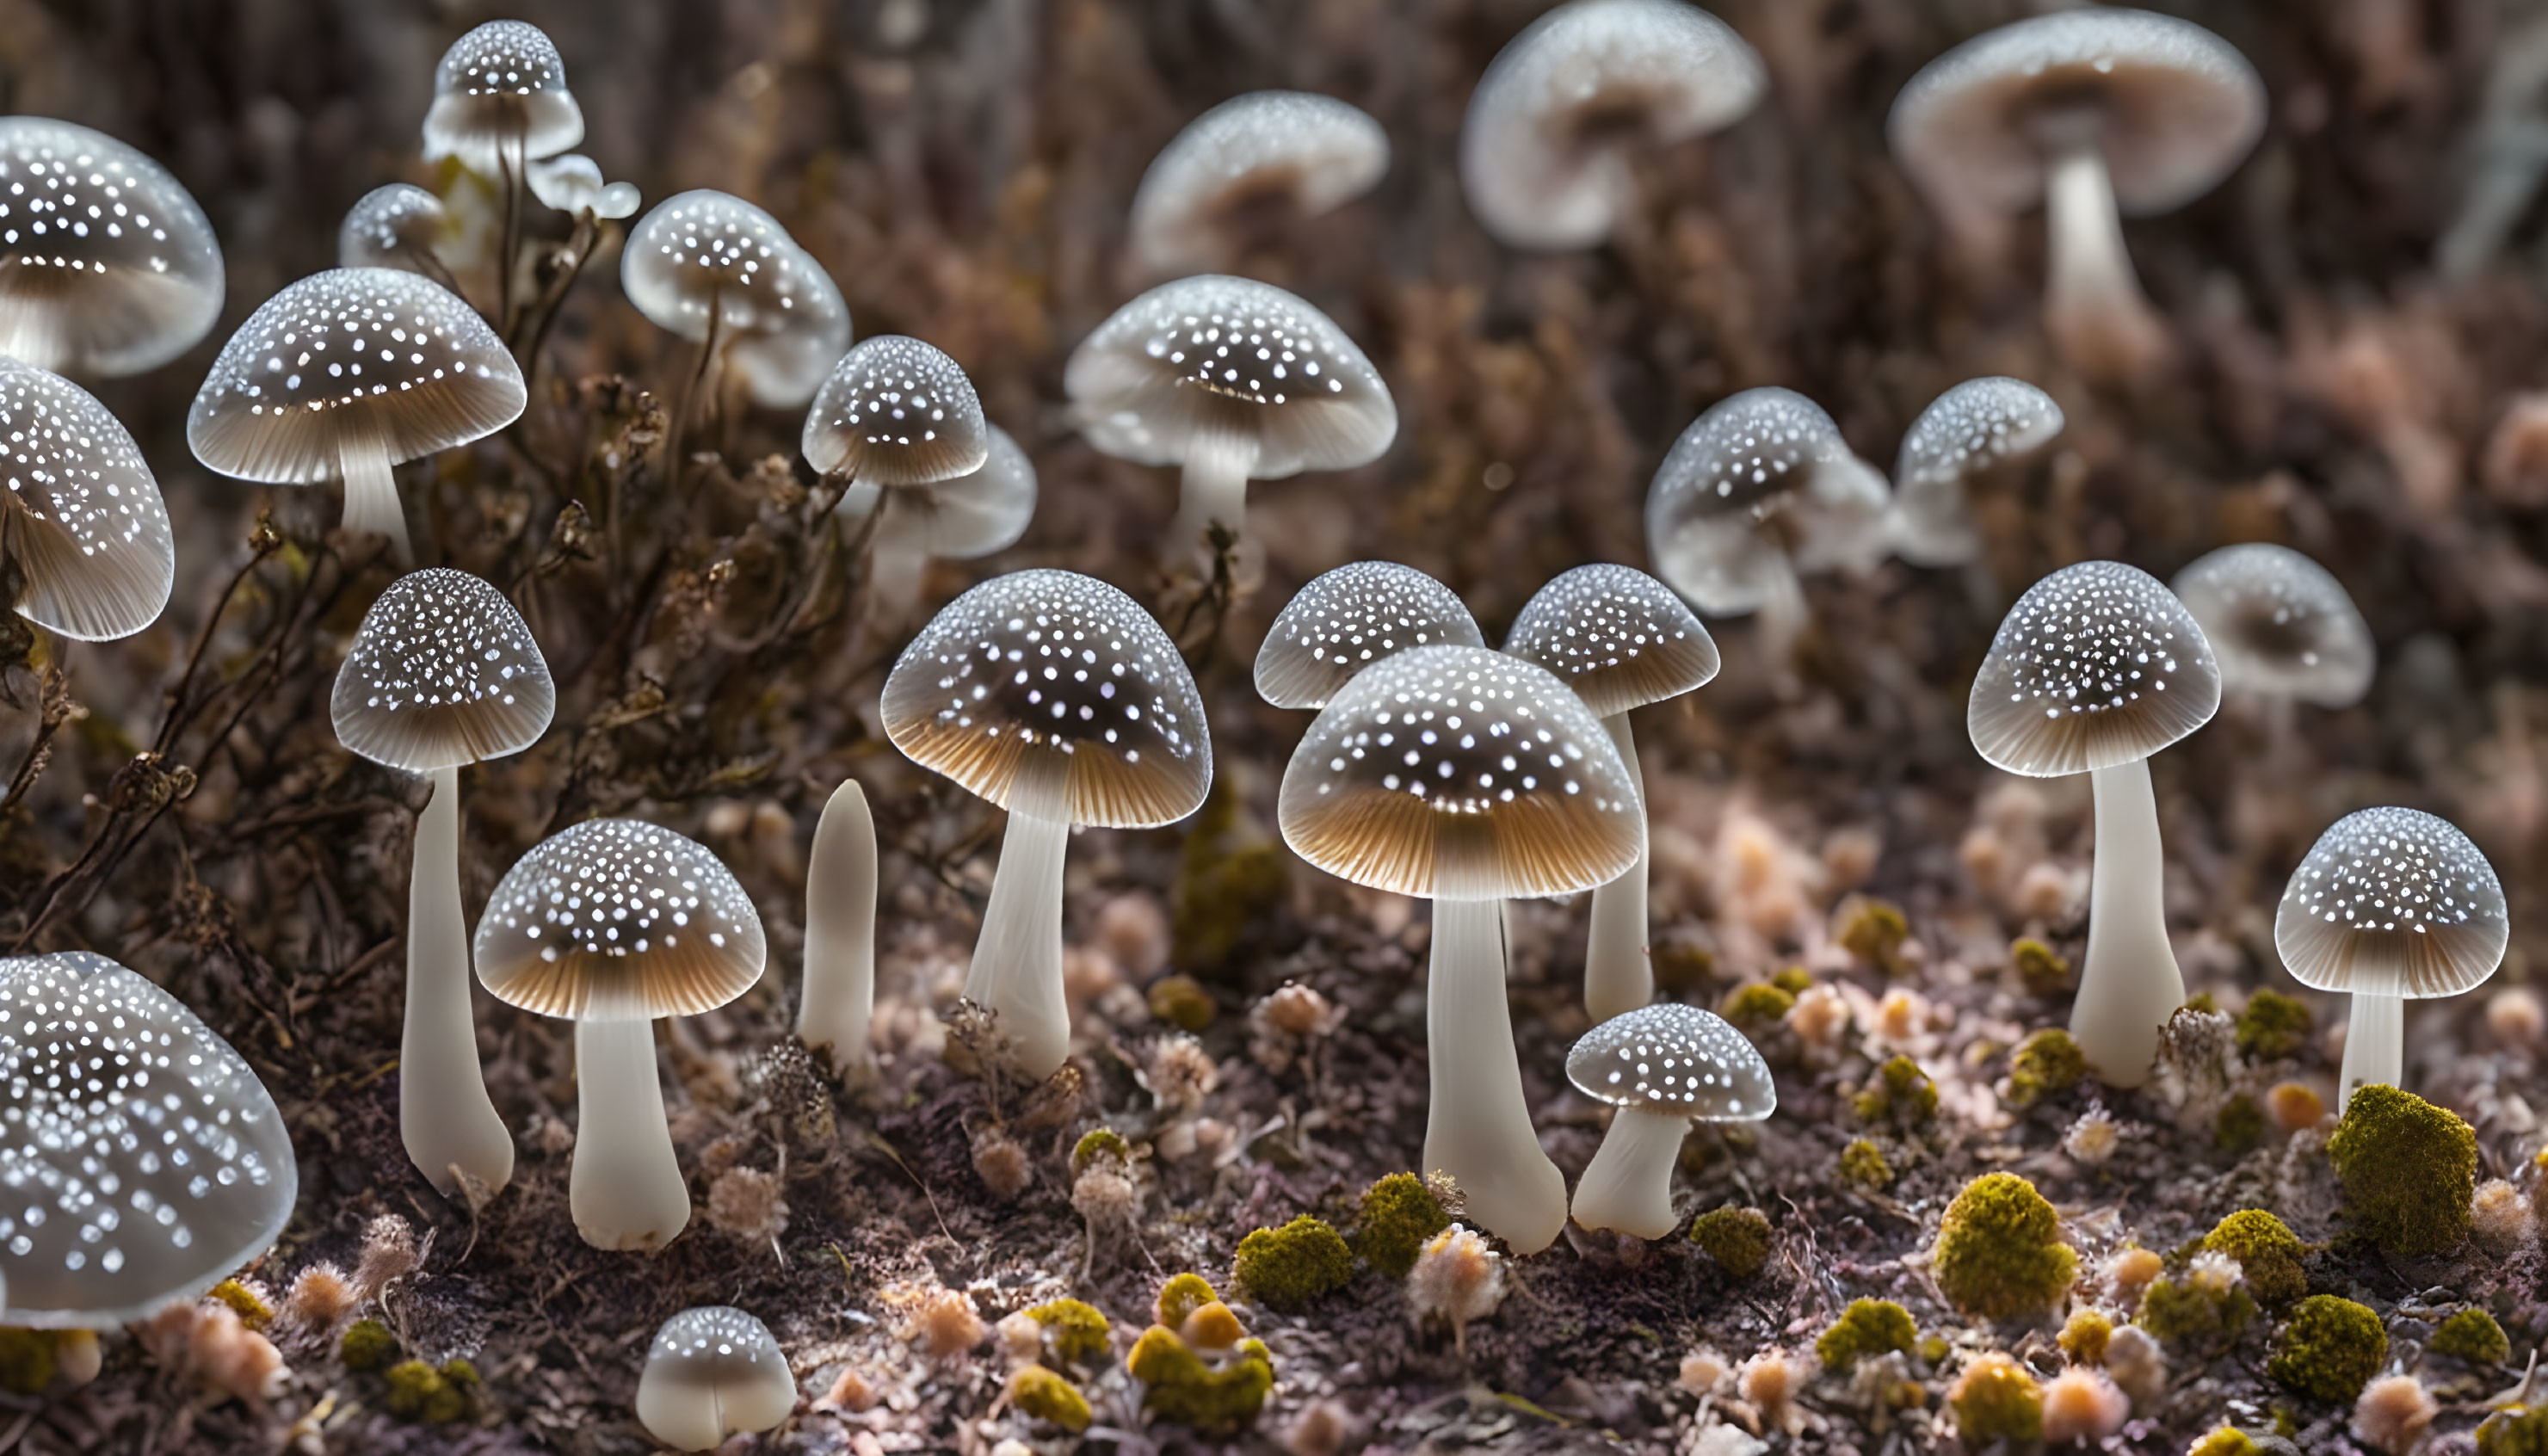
<point>2268,1252</point>
<point>1180,1386</point>
<point>1756,1002</point>
<point>1099,1143</point>
<point>1901,1094</point>
<point>2515,1431</point>
<point>2408,1170</point>
<point>254,1312</point>
<point>1863,1163</point>
<point>1874,931</point>
<point>1181,1296</point>
<point>367,1345</point>
<point>1075,1332</point>
<point>2000,1252</point>
<point>2274,1025</point>
<point>1398,1213</point>
<point>419,1392</point>
<point>1995,1399</point>
<point>2474,1337</point>
<point>27,1360</point>
<point>1866,1327</point>
<point>1181,1001</point>
<point>1795,980</point>
<point>1682,968</point>
<point>1226,883</point>
<point>2239,1127</point>
<point>2224,1441</point>
<point>2041,972</point>
<point>2084,1337</point>
<point>2330,1350</point>
<point>1290,1266</point>
<point>1737,1239</point>
<point>1047,1397</point>
<point>2046,1063</point>
<point>2190,1310</point>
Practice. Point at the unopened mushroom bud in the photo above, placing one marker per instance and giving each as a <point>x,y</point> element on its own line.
<point>87,527</point>
<point>1267,152</point>
<point>1963,435</point>
<point>713,1372</point>
<point>840,930</point>
<point>2282,626</point>
<point>1663,1067</point>
<point>896,420</point>
<point>107,266</point>
<point>1349,618</point>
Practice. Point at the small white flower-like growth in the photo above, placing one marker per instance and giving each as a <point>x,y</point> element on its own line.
<point>1964,433</point>
<point>94,541</point>
<point>500,99</point>
<point>1349,618</point>
<point>106,265</point>
<point>2283,626</point>
<point>1663,1067</point>
<point>712,1372</point>
<point>1295,150</point>
<point>574,185</point>
<point>713,268</point>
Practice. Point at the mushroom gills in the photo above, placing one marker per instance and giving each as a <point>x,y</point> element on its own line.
<point>1478,1129</point>
<point>446,1119</point>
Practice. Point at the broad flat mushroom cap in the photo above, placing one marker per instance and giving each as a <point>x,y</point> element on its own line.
<point>618,920</point>
<point>93,533</point>
<point>1460,774</point>
<point>897,412</point>
<point>704,253</point>
<point>1349,618</point>
<point>1618,637</point>
<point>2097,665</point>
<point>1762,459</point>
<point>142,1161</point>
<point>1315,151</point>
<point>107,266</point>
<point>443,672</point>
<point>501,89</point>
<point>713,1371</point>
<point>1677,1060</point>
<point>2393,902</point>
<point>388,227</point>
<point>2280,623</point>
<point>360,355</point>
<point>573,184</point>
<point>1039,671</point>
<point>1963,432</point>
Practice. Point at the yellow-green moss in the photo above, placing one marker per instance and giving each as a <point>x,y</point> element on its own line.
<point>1737,1239</point>
<point>2203,1001</point>
<point>419,1392</point>
<point>2409,1170</point>
<point>2239,1127</point>
<point>1074,1332</point>
<point>1874,931</point>
<point>1995,1399</point>
<point>1681,966</point>
<point>1795,980</point>
<point>2184,1311</point>
<point>1756,1002</point>
<point>2515,1431</point>
<point>1863,1163</point>
<point>2329,1350</point>
<point>254,1312</point>
<point>1290,1266</point>
<point>2224,1441</point>
<point>1225,883</point>
<point>2267,1251</point>
<point>1397,1213</point>
<point>1181,1001</point>
<point>1900,1094</point>
<point>1040,1392</point>
<point>2000,1252</point>
<point>2472,1335</point>
<point>2046,1063</point>
<point>1181,1296</point>
<point>367,1345</point>
<point>27,1360</point>
<point>1096,1143</point>
<point>1180,1386</point>
<point>2085,1335</point>
<point>1866,1327</point>
<point>2041,972</point>
<point>2274,1025</point>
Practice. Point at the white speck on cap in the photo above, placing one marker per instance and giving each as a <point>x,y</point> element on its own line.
<point>1618,637</point>
<point>2393,902</point>
<point>2097,665</point>
<point>1349,618</point>
<point>94,543</point>
<point>2280,624</point>
<point>107,266</point>
<point>443,672</point>
<point>1675,1060</point>
<point>618,920</point>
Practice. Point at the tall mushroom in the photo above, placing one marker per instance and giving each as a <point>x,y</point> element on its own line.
<point>1663,1067</point>
<point>2283,627</point>
<point>895,419</point>
<point>1057,697</point>
<point>1963,435</point>
<point>839,996</point>
<point>499,101</point>
<point>107,266</point>
<point>443,672</point>
<point>2095,669</point>
<point>1349,618</point>
<point>712,1372</point>
<point>82,520</point>
<point>1244,165</point>
<point>1469,777</point>
<point>1621,640</point>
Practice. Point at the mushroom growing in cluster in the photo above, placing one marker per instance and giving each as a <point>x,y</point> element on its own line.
<point>82,520</point>
<point>897,422</point>
<point>1239,170</point>
<point>1349,618</point>
<point>499,101</point>
<point>107,266</point>
<point>1661,1067</point>
<point>2283,628</point>
<point>1965,434</point>
<point>712,1372</point>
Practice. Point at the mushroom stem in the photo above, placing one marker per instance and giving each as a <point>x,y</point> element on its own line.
<point>1628,1184</point>
<point>1617,974</point>
<point>2129,984</point>
<point>35,331</point>
<point>898,561</point>
<point>371,492</point>
<point>1782,614</point>
<point>1219,460</point>
<point>625,1188</point>
<point>1478,1127</point>
<point>840,930</point>
<point>508,164</point>
<point>445,1117</point>
<point>2375,1042</point>
<point>698,380</point>
<point>2093,306</point>
<point>1017,963</point>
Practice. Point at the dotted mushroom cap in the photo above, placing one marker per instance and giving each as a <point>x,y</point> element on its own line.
<point>1759,475</point>
<point>573,184</point>
<point>352,357</point>
<point>1539,150</point>
<point>1675,1060</point>
<point>618,920</point>
<point>1349,618</point>
<point>1217,356</point>
<point>142,1160</point>
<point>897,411</point>
<point>2096,665</point>
<point>443,672</point>
<point>713,1371</point>
<point>1313,152</point>
<point>706,253</point>
<point>389,227</point>
<point>2393,902</point>
<point>2280,624</point>
<point>94,538</point>
<point>1618,637</point>
<point>1963,432</point>
<point>107,266</point>
<point>1461,774</point>
<point>499,97</point>
<point>1055,695</point>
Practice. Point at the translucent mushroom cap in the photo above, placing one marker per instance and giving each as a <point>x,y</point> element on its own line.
<point>1674,1059</point>
<point>705,254</point>
<point>1054,695</point>
<point>1759,475</point>
<point>107,266</point>
<point>443,672</point>
<point>618,920</point>
<point>1964,433</point>
<point>389,227</point>
<point>1213,355</point>
<point>499,97</point>
<point>1461,774</point>
<point>712,1372</point>
<point>1268,149</point>
<point>2175,108</point>
<point>359,356</point>
<point>1349,618</point>
<point>2393,902</point>
<point>1539,151</point>
<point>143,1162</point>
<point>573,184</point>
<point>897,412</point>
<point>2280,624</point>
<point>1618,637</point>
<point>92,533</point>
<point>2096,665</point>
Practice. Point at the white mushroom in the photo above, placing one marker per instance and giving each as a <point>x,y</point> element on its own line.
<point>83,517</point>
<point>2283,627</point>
<point>1663,1067</point>
<point>840,930</point>
<point>715,270</point>
<point>107,266</point>
<point>400,226</point>
<point>499,101</point>
<point>712,1372</point>
<point>1965,434</point>
<point>574,185</point>
<point>1349,618</point>
<point>896,420</point>
<point>1288,151</point>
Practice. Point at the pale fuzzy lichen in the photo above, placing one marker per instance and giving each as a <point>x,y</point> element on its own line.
<point>2392,1414</point>
<point>2094,1137</point>
<point>2083,1405</point>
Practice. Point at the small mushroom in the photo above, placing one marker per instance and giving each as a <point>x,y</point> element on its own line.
<point>107,266</point>
<point>1543,150</point>
<point>83,519</point>
<point>1057,697</point>
<point>896,420</point>
<point>713,1372</point>
<point>1965,434</point>
<point>345,374</point>
<point>1663,1067</point>
<point>443,672</point>
<point>1470,777</point>
<point>2390,906</point>
<point>612,923</point>
<point>499,101</point>
<point>715,270</point>
<point>401,225</point>
<point>2282,626</point>
<point>840,930</point>
<point>1621,640</point>
<point>1242,166</point>
<point>2095,669</point>
<point>145,1160</point>
<point>574,185</point>
<point>1349,618</point>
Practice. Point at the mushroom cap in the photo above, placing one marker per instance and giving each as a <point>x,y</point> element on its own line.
<point>1963,432</point>
<point>1312,152</point>
<point>351,356</point>
<point>501,89</point>
<point>2096,665</point>
<point>443,672</point>
<point>2280,624</point>
<point>1758,475</point>
<point>2393,902</point>
<point>900,413</point>
<point>702,250</point>
<point>1054,695</point>
<point>1461,774</point>
<point>2177,107</point>
<point>388,225</point>
<point>142,1159</point>
<point>985,509</point>
<point>1219,356</point>
<point>1618,637</point>
<point>1674,1059</point>
<point>573,184</point>
<point>107,266</point>
<point>618,920</point>
<point>93,533</point>
<point>1539,151</point>
<point>1349,618</point>
<point>713,1371</point>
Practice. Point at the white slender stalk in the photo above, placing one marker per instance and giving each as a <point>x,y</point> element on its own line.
<point>1214,489</point>
<point>2093,305</point>
<point>1628,1184</point>
<point>2375,1045</point>
<point>371,495</point>
<point>625,1189</point>
<point>1478,1128</point>
<point>445,1117</point>
<point>1017,962</point>
<point>840,930</point>
<point>2129,983</point>
<point>897,559</point>
<point>1618,975</point>
<point>1782,614</point>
